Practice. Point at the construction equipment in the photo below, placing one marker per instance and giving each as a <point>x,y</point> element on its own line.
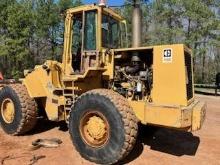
<point>102,89</point>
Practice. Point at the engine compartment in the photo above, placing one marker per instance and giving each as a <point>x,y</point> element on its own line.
<point>133,74</point>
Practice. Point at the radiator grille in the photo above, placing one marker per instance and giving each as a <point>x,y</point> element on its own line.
<point>189,84</point>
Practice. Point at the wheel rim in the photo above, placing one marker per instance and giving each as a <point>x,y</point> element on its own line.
<point>8,111</point>
<point>94,129</point>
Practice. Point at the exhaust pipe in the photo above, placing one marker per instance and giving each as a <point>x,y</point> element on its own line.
<point>136,31</point>
<point>136,25</point>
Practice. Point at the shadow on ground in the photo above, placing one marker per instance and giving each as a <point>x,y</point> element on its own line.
<point>44,125</point>
<point>164,140</point>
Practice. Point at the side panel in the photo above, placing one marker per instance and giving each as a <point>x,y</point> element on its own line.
<point>168,116</point>
<point>44,79</point>
<point>198,116</point>
<point>189,118</point>
<point>174,117</point>
<point>139,108</point>
<point>41,84</point>
<point>169,75</point>
<point>35,83</point>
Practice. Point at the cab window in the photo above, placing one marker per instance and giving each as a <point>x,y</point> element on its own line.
<point>77,41</point>
<point>90,30</point>
<point>110,32</point>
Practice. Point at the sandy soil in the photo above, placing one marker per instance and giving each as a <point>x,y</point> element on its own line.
<point>154,146</point>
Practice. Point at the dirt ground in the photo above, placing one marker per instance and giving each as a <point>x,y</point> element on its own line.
<point>154,146</point>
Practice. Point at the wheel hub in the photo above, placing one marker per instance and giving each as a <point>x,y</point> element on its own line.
<point>94,129</point>
<point>8,111</point>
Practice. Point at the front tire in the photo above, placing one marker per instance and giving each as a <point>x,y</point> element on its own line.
<point>18,111</point>
<point>103,126</point>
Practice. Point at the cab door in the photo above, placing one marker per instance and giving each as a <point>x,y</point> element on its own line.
<point>84,47</point>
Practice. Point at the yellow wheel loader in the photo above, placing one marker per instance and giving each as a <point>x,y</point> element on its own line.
<point>103,89</point>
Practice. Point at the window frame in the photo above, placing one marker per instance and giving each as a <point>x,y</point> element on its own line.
<point>96,29</point>
<point>120,22</point>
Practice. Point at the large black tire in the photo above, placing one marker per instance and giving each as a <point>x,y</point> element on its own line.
<point>121,120</point>
<point>25,110</point>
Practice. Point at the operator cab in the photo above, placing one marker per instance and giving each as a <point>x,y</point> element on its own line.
<point>93,29</point>
<point>83,31</point>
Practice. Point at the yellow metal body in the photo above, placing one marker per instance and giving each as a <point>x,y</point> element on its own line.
<point>188,118</point>
<point>55,85</point>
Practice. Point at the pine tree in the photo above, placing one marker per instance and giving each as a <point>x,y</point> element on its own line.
<point>200,22</point>
<point>16,35</point>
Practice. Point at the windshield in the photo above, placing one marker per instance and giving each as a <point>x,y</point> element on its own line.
<point>113,33</point>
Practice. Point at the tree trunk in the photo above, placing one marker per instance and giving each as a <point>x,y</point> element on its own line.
<point>203,67</point>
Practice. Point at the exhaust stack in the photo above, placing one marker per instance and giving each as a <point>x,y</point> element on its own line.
<point>136,25</point>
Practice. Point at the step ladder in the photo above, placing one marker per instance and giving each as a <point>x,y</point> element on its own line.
<point>70,97</point>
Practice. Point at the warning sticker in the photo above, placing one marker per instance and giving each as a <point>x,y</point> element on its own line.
<point>167,55</point>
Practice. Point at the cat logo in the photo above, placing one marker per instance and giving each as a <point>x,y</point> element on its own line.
<point>167,55</point>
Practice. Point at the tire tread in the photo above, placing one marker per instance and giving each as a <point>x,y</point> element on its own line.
<point>28,108</point>
<point>129,119</point>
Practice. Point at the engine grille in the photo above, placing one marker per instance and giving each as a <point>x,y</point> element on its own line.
<point>189,84</point>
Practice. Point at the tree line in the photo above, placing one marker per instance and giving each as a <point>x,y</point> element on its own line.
<point>31,31</point>
<point>195,23</point>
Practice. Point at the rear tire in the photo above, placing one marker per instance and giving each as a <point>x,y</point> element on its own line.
<point>24,114</point>
<point>104,115</point>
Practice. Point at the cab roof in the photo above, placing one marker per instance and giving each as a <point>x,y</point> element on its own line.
<point>94,7</point>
